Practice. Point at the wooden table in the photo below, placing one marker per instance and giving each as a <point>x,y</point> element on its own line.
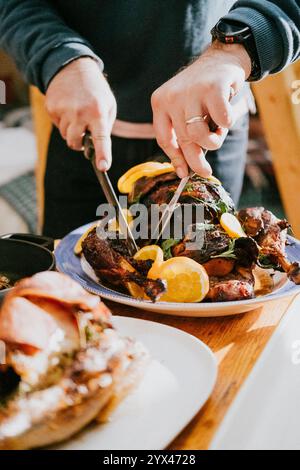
<point>237,342</point>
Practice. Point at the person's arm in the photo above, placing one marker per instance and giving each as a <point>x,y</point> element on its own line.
<point>38,39</point>
<point>275,25</point>
<point>63,65</point>
<point>203,88</point>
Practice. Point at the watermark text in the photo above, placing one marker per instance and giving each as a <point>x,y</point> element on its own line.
<point>296,92</point>
<point>147,223</point>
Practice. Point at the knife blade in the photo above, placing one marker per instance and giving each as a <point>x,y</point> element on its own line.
<point>109,192</point>
<point>169,210</point>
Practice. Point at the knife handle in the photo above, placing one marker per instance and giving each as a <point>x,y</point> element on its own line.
<point>88,146</point>
<point>213,127</point>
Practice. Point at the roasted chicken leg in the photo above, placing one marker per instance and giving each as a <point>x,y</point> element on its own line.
<point>270,234</point>
<point>110,260</point>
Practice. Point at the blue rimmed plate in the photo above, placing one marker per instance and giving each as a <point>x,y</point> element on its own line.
<point>68,263</point>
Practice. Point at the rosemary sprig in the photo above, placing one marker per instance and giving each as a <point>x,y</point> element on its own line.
<point>167,246</point>
<point>230,253</point>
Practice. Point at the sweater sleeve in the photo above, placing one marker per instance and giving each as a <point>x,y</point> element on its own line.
<point>275,25</point>
<point>38,39</point>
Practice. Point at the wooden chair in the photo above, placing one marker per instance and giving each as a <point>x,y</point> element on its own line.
<point>43,127</point>
<point>281,121</point>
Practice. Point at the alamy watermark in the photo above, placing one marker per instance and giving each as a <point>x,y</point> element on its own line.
<point>187,221</point>
<point>2,92</point>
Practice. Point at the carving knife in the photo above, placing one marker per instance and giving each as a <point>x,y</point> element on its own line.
<point>169,210</point>
<point>104,180</point>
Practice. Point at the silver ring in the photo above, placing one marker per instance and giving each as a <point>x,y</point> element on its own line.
<point>196,119</point>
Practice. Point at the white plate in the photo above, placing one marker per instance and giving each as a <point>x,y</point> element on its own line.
<point>266,413</point>
<point>178,382</point>
<point>67,262</point>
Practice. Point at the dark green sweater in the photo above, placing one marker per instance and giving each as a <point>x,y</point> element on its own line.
<point>142,43</point>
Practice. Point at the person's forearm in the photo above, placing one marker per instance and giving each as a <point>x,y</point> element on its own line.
<point>39,40</point>
<point>93,109</point>
<point>237,51</point>
<point>276,28</point>
<point>182,106</point>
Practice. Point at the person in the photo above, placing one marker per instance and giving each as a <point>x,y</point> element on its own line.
<point>102,65</point>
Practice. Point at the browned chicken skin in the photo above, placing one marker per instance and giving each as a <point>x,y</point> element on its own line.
<point>214,242</point>
<point>271,235</point>
<point>238,285</point>
<point>228,262</point>
<point>198,191</point>
<point>110,263</point>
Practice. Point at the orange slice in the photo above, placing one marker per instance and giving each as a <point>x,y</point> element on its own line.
<point>154,253</point>
<point>148,169</point>
<point>136,291</point>
<point>187,281</point>
<point>232,226</point>
<point>78,246</point>
<point>215,180</point>
<point>113,225</point>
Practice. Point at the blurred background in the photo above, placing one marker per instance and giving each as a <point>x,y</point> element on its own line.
<point>264,183</point>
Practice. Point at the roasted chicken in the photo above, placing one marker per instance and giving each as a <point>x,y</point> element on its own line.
<point>270,233</point>
<point>229,260</point>
<point>64,361</point>
<point>238,285</point>
<point>161,189</point>
<point>111,262</point>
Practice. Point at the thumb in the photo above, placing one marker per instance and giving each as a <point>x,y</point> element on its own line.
<point>102,144</point>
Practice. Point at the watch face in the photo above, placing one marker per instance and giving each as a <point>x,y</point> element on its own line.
<point>232,28</point>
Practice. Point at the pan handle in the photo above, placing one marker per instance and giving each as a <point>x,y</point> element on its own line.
<point>40,240</point>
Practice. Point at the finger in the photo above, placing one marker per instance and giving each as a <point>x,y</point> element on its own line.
<point>199,132</point>
<point>166,139</point>
<point>219,107</point>
<point>63,127</point>
<point>112,115</point>
<point>55,120</point>
<point>54,116</point>
<point>74,136</point>
<point>193,153</point>
<point>195,158</point>
<point>102,142</point>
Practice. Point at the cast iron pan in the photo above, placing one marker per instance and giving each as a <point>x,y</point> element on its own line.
<point>22,255</point>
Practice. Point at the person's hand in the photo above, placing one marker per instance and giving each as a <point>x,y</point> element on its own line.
<point>202,89</point>
<point>79,99</point>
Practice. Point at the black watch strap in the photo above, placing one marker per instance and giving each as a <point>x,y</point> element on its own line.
<point>233,32</point>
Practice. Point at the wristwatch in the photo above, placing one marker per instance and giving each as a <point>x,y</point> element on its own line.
<point>235,32</point>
